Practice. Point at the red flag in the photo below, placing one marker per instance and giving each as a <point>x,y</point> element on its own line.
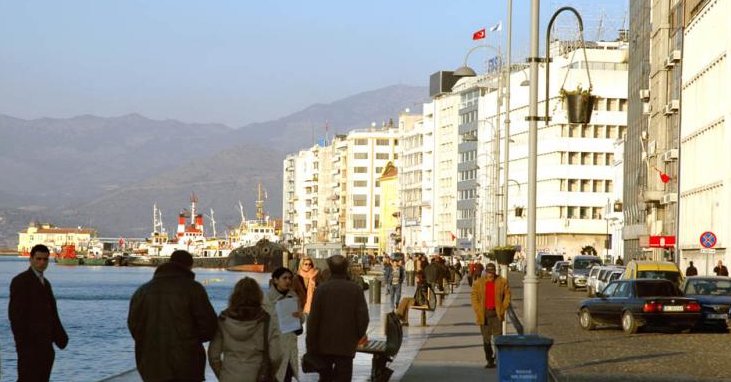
<point>453,237</point>
<point>480,34</point>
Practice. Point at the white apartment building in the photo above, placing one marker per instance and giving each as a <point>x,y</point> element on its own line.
<point>444,109</point>
<point>576,163</point>
<point>298,191</point>
<point>705,161</point>
<point>416,179</point>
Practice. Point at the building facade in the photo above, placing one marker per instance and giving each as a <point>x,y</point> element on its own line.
<point>53,237</point>
<point>705,166</point>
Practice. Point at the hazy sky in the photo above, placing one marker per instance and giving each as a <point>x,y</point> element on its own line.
<point>241,61</point>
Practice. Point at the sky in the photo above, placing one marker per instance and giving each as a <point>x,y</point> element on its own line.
<point>237,62</point>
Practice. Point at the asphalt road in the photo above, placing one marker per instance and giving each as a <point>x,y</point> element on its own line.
<point>607,354</point>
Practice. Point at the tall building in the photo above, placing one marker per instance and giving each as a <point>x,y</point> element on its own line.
<point>389,230</point>
<point>704,140</point>
<point>576,164</point>
<point>651,161</point>
<point>297,204</point>
<point>415,177</point>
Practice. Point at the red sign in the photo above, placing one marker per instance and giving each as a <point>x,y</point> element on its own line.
<point>661,241</point>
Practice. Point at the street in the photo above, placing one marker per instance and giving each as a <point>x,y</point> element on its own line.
<point>610,355</point>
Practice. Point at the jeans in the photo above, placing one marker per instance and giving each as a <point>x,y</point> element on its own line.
<point>492,327</point>
<point>395,295</point>
<point>341,369</point>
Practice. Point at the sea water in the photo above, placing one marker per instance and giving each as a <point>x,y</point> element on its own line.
<point>93,303</point>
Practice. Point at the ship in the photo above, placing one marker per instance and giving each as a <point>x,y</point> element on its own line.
<point>264,256</point>
<point>250,232</point>
<point>69,256</point>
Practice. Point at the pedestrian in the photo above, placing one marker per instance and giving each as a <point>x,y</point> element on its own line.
<point>387,274</point>
<point>397,279</point>
<point>338,320</point>
<point>247,335</point>
<point>691,270</point>
<point>621,262</point>
<point>490,301</point>
<point>170,317</point>
<point>410,268</point>
<point>34,319</point>
<point>311,277</point>
<point>280,288</point>
<point>720,269</point>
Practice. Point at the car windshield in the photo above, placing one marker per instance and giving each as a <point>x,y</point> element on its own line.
<point>656,289</point>
<point>586,263</point>
<point>709,287</point>
<point>549,261</point>
<point>660,275</point>
<point>615,276</point>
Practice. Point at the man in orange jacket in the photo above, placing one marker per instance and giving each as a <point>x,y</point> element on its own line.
<point>490,301</point>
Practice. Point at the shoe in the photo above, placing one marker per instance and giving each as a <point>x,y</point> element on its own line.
<point>490,364</point>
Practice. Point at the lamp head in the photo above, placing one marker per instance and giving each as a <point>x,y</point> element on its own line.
<point>464,71</point>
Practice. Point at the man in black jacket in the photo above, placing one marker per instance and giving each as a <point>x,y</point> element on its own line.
<point>170,317</point>
<point>34,319</point>
<point>338,320</point>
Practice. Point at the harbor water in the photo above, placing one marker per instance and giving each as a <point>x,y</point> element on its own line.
<point>93,303</point>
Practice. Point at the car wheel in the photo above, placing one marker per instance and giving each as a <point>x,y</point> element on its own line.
<point>629,324</point>
<point>585,320</point>
<point>571,285</point>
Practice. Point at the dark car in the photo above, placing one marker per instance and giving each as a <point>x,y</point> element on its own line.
<point>714,295</point>
<point>545,262</point>
<point>639,303</point>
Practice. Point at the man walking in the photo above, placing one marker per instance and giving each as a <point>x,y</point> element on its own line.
<point>490,301</point>
<point>691,270</point>
<point>397,279</point>
<point>170,317</point>
<point>338,320</point>
<point>34,319</point>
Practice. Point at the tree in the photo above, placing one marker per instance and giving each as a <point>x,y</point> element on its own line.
<point>588,251</point>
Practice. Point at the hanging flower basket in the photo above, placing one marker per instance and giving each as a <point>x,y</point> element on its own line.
<point>579,105</point>
<point>504,254</point>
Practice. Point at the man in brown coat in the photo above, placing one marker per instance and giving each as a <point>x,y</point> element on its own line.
<point>490,301</point>
<point>338,320</point>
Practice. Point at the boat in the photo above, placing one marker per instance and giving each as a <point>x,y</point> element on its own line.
<point>67,255</point>
<point>250,232</point>
<point>264,256</point>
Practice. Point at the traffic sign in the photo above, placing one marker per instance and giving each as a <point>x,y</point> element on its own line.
<point>708,251</point>
<point>708,239</point>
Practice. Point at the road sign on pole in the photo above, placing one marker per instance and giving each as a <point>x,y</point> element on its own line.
<point>708,251</point>
<point>708,239</point>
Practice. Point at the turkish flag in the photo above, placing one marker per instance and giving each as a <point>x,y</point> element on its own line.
<point>480,34</point>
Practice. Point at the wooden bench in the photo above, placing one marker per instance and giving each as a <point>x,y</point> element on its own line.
<point>431,305</point>
<point>384,351</point>
<point>440,296</point>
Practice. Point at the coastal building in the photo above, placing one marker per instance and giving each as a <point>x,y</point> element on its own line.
<point>652,152</point>
<point>297,201</point>
<point>576,164</point>
<point>53,237</point>
<point>389,229</point>
<point>704,193</point>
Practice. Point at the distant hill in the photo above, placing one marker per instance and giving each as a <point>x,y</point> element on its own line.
<point>107,172</point>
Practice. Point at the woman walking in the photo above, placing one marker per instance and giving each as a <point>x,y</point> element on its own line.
<point>311,276</point>
<point>238,351</point>
<point>280,288</point>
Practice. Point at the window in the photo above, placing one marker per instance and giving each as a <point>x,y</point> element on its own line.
<point>359,200</point>
<point>573,185</point>
<point>585,158</point>
<point>573,212</point>
<point>585,185</point>
<point>361,142</point>
<point>379,170</point>
<point>376,221</point>
<point>360,156</point>
<point>361,239</point>
<point>381,142</point>
<point>360,170</point>
<point>584,212</point>
<point>359,221</point>
<point>381,155</point>
<point>574,158</point>
<point>377,201</point>
<point>360,183</point>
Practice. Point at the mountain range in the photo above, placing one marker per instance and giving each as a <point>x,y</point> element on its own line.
<point>108,172</point>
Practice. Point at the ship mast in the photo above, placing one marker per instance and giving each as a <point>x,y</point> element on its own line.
<point>193,201</point>
<point>260,205</point>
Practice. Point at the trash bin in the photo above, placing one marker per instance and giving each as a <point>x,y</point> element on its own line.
<point>376,287</point>
<point>522,358</point>
<point>371,288</point>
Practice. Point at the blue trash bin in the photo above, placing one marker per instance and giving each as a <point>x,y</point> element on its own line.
<point>522,358</point>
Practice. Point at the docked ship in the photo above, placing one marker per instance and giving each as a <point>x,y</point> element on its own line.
<point>250,232</point>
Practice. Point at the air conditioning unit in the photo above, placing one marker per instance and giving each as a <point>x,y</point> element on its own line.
<point>670,155</point>
<point>645,94</point>
<point>669,198</point>
<point>646,108</point>
<point>669,63</point>
<point>672,107</point>
<point>674,56</point>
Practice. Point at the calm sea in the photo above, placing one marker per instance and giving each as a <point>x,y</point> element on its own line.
<point>93,304</point>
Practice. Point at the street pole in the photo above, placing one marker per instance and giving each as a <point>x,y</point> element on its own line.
<point>530,303</point>
<point>506,147</point>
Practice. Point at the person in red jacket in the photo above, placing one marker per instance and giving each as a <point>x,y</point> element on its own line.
<point>490,301</point>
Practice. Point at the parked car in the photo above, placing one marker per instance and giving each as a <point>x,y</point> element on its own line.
<point>559,272</point>
<point>714,295</point>
<point>591,279</point>
<point>638,269</point>
<point>602,278</point>
<point>545,262</point>
<point>640,303</point>
<point>579,268</point>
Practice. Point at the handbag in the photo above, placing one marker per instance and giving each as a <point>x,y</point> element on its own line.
<point>266,370</point>
<point>313,363</point>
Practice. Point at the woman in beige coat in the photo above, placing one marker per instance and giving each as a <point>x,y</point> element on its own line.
<point>237,350</point>
<point>311,276</point>
<point>280,287</point>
